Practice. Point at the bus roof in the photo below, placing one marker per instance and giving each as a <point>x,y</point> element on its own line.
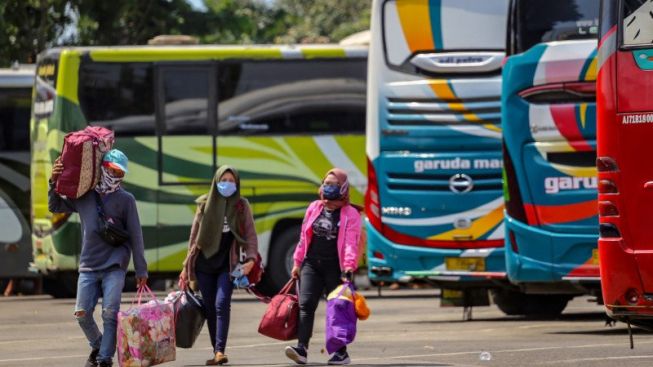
<point>20,77</point>
<point>151,53</point>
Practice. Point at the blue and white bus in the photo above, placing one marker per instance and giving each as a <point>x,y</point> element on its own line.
<point>435,202</point>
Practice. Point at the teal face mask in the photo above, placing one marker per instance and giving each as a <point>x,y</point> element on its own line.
<point>226,188</point>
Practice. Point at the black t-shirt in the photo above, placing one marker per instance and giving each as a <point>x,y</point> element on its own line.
<point>218,263</point>
<point>324,244</point>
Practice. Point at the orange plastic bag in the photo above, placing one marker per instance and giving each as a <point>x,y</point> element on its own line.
<point>360,304</point>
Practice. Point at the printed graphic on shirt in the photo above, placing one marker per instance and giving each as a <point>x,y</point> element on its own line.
<point>326,225</point>
<point>225,226</point>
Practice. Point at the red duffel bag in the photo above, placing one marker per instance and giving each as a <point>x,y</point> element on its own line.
<point>81,157</point>
<point>280,319</point>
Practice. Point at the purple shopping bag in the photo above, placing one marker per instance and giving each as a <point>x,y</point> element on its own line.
<point>340,318</point>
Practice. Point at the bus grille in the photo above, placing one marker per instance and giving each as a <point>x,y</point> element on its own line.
<point>483,182</point>
<point>425,112</point>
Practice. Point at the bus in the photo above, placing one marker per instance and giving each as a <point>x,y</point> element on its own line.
<point>15,239</point>
<point>282,115</point>
<point>625,115</point>
<point>434,203</point>
<point>549,130</point>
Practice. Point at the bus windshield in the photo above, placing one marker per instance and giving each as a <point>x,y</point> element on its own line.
<point>411,27</point>
<point>555,20</point>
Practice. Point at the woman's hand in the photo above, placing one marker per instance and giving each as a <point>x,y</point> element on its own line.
<point>183,280</point>
<point>295,272</point>
<point>57,169</point>
<point>141,282</point>
<point>347,275</point>
<point>248,266</point>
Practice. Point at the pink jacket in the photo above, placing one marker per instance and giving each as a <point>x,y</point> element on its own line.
<point>348,235</point>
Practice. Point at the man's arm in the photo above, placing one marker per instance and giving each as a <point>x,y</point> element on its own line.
<point>57,204</point>
<point>136,240</point>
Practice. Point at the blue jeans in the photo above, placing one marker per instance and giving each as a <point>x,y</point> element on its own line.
<point>216,291</point>
<point>90,286</point>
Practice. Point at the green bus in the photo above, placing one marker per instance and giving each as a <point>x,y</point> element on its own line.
<point>283,115</point>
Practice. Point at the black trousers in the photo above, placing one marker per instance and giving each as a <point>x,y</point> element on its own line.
<point>317,278</point>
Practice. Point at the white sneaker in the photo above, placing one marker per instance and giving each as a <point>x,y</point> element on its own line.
<point>297,354</point>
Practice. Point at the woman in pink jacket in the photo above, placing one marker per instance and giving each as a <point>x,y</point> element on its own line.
<point>326,255</point>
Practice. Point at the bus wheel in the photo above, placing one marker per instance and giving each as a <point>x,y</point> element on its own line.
<point>61,285</point>
<point>510,302</point>
<point>281,257</point>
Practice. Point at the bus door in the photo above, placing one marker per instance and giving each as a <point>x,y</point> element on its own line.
<point>186,107</point>
<point>635,115</point>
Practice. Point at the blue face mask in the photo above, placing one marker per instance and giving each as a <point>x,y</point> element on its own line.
<point>226,188</point>
<point>331,192</point>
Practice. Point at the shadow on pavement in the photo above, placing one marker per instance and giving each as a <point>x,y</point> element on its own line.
<point>574,317</point>
<point>607,331</point>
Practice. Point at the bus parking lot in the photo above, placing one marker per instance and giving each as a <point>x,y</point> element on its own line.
<point>407,328</point>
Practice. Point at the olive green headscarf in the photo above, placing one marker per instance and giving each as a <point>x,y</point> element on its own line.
<point>215,210</point>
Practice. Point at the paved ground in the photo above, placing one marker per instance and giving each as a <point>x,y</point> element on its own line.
<point>407,328</point>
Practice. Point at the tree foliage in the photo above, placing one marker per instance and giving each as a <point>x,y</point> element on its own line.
<point>129,22</point>
<point>34,25</point>
<point>30,26</point>
<point>319,21</point>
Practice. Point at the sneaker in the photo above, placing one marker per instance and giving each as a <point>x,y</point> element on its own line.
<point>92,358</point>
<point>297,354</point>
<point>339,358</point>
<point>105,364</point>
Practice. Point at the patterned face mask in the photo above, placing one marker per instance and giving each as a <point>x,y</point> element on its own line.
<point>108,183</point>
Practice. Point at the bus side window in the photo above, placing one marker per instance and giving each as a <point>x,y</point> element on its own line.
<point>287,97</point>
<point>118,96</point>
<point>186,93</point>
<point>339,119</point>
<point>637,22</point>
<point>14,119</point>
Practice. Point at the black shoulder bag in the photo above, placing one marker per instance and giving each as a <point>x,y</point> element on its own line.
<point>109,232</point>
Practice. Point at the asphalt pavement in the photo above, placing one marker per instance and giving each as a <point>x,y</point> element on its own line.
<point>407,328</point>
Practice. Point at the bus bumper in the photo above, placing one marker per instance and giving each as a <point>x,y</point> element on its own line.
<point>390,262</point>
<point>541,256</point>
<point>623,291</point>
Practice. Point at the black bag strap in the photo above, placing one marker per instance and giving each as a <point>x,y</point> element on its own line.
<point>99,205</point>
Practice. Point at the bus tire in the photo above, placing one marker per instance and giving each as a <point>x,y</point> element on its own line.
<point>61,285</point>
<point>510,302</point>
<point>280,259</point>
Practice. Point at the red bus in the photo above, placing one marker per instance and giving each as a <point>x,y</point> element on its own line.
<point>625,130</point>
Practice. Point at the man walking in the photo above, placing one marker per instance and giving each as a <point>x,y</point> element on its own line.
<point>102,265</point>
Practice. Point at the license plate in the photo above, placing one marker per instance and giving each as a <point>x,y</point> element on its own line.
<point>595,256</point>
<point>451,294</point>
<point>465,263</point>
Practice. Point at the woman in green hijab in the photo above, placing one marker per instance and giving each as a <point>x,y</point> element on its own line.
<point>222,226</point>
